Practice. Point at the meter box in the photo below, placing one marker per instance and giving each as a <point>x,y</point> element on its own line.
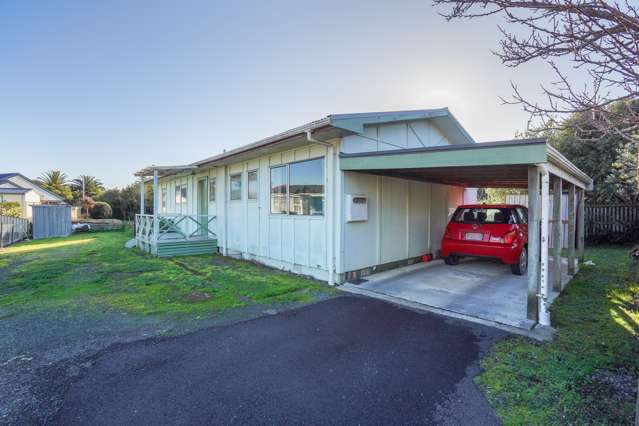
<point>356,208</point>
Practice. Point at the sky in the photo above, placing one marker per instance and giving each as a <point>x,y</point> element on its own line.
<point>105,88</point>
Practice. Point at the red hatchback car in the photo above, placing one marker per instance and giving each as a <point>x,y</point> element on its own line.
<point>496,231</point>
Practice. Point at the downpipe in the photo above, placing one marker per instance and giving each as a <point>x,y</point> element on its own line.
<point>330,154</point>
<point>544,305</point>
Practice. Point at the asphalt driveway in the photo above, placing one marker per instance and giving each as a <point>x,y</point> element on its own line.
<point>349,360</point>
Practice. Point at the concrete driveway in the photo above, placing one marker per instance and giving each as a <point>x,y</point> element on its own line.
<point>349,360</point>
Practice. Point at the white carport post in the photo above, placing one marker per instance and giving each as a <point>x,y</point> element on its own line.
<point>532,305</point>
<point>557,236</point>
<point>156,202</point>
<point>544,313</point>
<point>571,229</point>
<point>580,225</point>
<point>142,195</point>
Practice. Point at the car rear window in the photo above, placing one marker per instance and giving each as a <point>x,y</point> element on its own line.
<point>483,215</point>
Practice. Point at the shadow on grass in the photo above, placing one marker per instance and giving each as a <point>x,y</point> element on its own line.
<point>579,377</point>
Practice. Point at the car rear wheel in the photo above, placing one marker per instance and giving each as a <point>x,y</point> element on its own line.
<point>521,266</point>
<point>451,260</point>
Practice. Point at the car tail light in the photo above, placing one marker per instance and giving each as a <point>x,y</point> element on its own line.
<point>447,234</point>
<point>509,237</point>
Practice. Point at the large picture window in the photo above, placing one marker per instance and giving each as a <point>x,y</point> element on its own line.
<point>298,188</point>
<point>236,187</point>
<point>279,189</point>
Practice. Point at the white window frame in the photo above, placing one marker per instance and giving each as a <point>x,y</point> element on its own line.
<point>231,176</point>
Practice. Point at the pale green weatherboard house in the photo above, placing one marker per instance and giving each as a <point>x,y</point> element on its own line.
<point>351,194</point>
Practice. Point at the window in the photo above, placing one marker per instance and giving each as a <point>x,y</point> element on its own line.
<point>298,188</point>
<point>484,215</point>
<point>252,185</point>
<point>306,187</point>
<point>178,195</point>
<point>523,214</point>
<point>278,189</point>
<point>236,187</point>
<point>163,199</point>
<point>183,192</point>
<point>212,190</point>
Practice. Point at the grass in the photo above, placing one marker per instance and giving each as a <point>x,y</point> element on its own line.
<point>96,269</point>
<point>597,319</point>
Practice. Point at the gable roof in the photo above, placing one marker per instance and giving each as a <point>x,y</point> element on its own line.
<point>50,195</point>
<point>335,125</point>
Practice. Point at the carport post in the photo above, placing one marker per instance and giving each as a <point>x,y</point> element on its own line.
<point>571,229</point>
<point>142,195</point>
<point>532,305</point>
<point>544,289</point>
<point>557,237</point>
<point>580,225</point>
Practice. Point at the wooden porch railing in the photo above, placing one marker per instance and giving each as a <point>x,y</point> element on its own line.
<point>172,227</point>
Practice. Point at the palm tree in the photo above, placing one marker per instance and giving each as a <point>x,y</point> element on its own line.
<point>93,187</point>
<point>56,182</point>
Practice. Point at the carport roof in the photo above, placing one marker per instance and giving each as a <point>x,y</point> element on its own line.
<point>502,164</point>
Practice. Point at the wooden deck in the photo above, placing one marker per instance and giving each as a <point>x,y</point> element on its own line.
<point>182,237</point>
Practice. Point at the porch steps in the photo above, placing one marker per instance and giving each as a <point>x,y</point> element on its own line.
<point>185,248</point>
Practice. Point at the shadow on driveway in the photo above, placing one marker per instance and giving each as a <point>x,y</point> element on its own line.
<point>347,360</point>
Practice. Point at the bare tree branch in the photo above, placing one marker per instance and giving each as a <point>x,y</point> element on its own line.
<point>597,37</point>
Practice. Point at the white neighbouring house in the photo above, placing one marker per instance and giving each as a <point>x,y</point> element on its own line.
<point>346,195</point>
<point>17,188</point>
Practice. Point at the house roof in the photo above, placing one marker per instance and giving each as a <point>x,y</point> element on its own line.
<point>333,125</point>
<point>7,176</point>
<point>14,190</point>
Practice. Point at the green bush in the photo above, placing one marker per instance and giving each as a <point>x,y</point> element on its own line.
<point>101,210</point>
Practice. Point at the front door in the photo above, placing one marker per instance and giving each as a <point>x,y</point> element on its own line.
<point>203,205</point>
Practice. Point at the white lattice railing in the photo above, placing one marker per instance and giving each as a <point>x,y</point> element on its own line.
<point>171,227</point>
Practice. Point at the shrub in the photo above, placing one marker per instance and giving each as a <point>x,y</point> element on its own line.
<point>101,210</point>
<point>10,208</point>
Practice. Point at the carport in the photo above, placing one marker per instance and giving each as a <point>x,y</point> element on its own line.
<point>530,164</point>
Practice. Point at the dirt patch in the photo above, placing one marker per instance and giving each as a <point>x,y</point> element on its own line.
<point>188,268</point>
<point>609,392</point>
<point>197,296</point>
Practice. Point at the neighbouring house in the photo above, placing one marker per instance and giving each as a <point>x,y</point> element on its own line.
<point>15,187</point>
<point>350,194</point>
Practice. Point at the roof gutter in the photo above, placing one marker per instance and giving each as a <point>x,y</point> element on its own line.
<point>311,139</point>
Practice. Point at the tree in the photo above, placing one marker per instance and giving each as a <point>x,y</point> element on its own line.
<point>101,210</point>
<point>125,202</point>
<point>597,37</point>
<point>10,208</point>
<point>610,160</point>
<point>93,187</point>
<point>56,182</point>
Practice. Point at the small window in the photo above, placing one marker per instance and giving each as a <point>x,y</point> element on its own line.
<point>236,187</point>
<point>212,190</point>
<point>306,188</point>
<point>252,185</point>
<point>183,193</point>
<point>278,190</point>
<point>178,194</point>
<point>163,199</point>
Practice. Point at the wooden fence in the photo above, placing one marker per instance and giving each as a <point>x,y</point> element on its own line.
<point>612,222</point>
<point>13,229</point>
<point>51,221</point>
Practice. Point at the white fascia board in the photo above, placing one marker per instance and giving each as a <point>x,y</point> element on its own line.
<point>560,166</point>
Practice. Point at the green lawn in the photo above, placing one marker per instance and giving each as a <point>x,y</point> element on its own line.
<point>96,269</point>
<point>576,378</point>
